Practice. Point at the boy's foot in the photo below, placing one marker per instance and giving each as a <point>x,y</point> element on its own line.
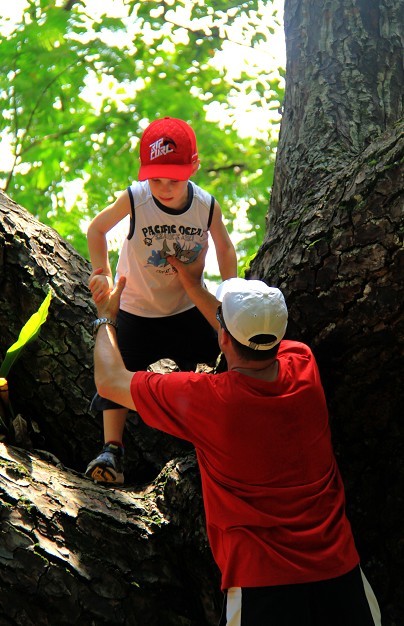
<point>108,466</point>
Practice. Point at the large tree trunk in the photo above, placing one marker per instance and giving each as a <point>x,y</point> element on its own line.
<point>334,246</point>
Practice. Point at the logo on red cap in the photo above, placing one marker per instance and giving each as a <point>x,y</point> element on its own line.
<point>161,147</point>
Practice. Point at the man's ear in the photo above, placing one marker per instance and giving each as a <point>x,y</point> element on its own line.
<point>224,337</point>
<point>196,167</point>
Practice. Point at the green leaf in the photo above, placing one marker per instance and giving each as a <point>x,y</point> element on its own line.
<point>29,332</point>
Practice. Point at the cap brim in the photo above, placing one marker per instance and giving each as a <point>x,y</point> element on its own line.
<point>175,172</point>
<point>240,285</point>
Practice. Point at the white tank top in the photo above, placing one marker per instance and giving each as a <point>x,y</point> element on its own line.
<point>153,288</point>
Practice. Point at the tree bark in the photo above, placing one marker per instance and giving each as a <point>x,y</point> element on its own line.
<point>344,87</point>
<point>334,246</point>
<point>72,552</point>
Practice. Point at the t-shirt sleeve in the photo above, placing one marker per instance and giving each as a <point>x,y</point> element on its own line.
<point>173,403</point>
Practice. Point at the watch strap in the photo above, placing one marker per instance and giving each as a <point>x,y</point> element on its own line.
<point>100,321</point>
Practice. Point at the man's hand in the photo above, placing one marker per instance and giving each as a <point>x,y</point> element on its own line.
<point>108,306</point>
<point>190,274</point>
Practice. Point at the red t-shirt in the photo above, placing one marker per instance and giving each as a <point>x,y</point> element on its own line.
<point>273,495</point>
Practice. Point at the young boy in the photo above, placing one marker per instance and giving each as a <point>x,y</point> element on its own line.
<point>170,215</point>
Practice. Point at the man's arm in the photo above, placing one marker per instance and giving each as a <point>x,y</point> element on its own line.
<point>225,252</point>
<point>190,276</point>
<point>112,379</point>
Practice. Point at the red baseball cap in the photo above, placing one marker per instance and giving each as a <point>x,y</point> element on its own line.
<point>168,150</point>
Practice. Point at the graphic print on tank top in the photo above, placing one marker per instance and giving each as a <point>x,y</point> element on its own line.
<point>165,241</point>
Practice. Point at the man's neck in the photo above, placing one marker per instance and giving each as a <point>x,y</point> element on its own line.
<point>267,371</point>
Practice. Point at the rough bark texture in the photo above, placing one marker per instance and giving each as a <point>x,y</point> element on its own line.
<point>72,552</point>
<point>334,246</point>
<point>344,86</point>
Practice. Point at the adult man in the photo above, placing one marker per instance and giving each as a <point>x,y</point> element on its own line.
<point>272,491</point>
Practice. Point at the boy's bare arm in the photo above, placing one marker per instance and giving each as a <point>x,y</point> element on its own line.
<point>100,226</point>
<point>225,252</point>
<point>100,284</point>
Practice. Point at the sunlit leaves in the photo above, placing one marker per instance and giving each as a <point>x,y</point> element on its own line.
<point>77,88</point>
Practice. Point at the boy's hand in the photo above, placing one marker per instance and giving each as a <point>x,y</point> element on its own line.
<point>108,305</point>
<point>100,285</point>
<point>190,274</point>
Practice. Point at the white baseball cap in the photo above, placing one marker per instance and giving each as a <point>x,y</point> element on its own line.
<point>251,311</point>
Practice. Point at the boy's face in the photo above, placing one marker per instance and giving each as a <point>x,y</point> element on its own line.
<point>171,193</point>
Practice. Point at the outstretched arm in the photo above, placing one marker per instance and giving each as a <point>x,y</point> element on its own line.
<point>190,276</point>
<point>225,252</point>
<point>112,379</point>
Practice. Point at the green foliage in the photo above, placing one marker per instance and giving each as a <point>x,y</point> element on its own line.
<point>77,91</point>
<point>29,332</point>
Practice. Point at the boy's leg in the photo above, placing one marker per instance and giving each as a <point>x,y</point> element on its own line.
<point>186,338</point>
<point>107,467</point>
<point>114,425</point>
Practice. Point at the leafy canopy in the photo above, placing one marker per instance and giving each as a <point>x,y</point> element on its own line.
<point>78,85</point>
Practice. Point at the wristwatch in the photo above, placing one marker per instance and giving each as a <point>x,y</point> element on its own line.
<point>100,321</point>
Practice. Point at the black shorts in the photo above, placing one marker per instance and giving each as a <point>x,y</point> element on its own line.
<point>344,601</point>
<point>186,338</point>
